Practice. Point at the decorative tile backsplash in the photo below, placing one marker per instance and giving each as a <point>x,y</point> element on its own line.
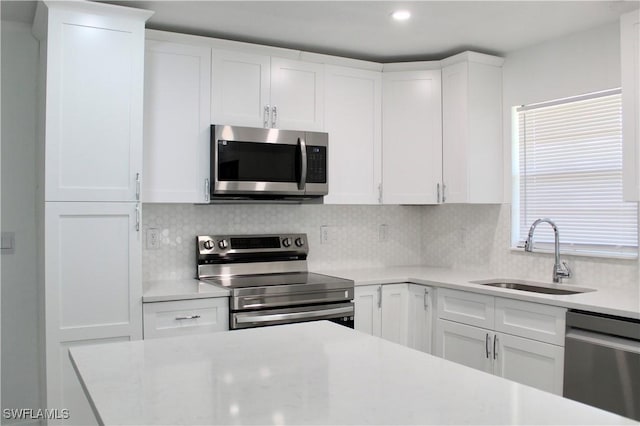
<point>459,236</point>
<point>479,237</point>
<point>354,240</point>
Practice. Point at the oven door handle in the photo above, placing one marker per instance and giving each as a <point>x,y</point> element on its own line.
<point>347,310</point>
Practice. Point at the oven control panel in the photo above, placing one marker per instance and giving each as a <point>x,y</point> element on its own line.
<point>250,247</point>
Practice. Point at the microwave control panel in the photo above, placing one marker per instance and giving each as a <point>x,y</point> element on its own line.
<point>316,164</point>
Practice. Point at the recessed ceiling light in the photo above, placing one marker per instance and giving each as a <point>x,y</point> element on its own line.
<point>401,15</point>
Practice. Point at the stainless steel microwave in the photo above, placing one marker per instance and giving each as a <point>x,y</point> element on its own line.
<point>267,164</point>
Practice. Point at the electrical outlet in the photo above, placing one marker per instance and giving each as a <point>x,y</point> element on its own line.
<point>324,234</point>
<point>153,239</point>
<point>383,233</point>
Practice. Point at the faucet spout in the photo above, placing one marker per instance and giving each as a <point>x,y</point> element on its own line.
<point>560,269</point>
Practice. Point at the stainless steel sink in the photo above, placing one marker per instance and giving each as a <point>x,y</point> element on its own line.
<point>531,286</point>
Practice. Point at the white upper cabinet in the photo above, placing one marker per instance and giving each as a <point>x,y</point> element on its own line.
<point>240,89</point>
<point>297,95</point>
<point>630,65</point>
<point>176,122</point>
<point>94,89</point>
<point>412,137</point>
<point>472,129</point>
<point>262,91</point>
<point>353,119</point>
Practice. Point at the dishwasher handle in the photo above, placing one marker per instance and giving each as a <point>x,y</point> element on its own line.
<point>614,342</point>
<point>607,324</point>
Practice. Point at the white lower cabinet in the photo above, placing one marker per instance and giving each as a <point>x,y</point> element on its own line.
<point>533,363</point>
<point>396,312</point>
<point>182,317</point>
<point>515,358</point>
<point>368,304</point>
<point>532,353</point>
<point>92,290</point>
<point>420,318</point>
<point>464,344</point>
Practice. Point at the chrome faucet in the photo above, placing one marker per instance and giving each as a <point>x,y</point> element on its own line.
<point>560,270</point>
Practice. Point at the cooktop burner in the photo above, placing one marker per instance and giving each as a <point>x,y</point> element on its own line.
<point>267,280</point>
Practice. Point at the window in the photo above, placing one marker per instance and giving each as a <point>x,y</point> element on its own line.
<point>568,168</point>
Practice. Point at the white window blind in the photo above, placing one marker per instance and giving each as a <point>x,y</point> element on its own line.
<point>570,171</point>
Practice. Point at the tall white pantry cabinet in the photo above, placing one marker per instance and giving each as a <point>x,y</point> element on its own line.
<point>90,160</point>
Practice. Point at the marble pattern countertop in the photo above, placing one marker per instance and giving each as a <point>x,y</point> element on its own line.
<point>309,373</point>
<point>608,300</point>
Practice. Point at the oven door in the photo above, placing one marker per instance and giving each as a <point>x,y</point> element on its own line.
<point>252,160</point>
<point>341,313</point>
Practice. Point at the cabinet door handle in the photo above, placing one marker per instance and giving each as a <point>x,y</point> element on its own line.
<point>138,217</point>
<point>206,189</point>
<point>444,188</point>
<point>438,191</point>
<point>137,186</point>
<point>274,116</point>
<point>187,317</point>
<point>379,296</point>
<point>495,341</point>
<point>426,293</point>
<point>486,344</point>
<point>265,116</point>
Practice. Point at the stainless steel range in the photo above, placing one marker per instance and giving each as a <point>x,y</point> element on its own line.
<point>269,281</point>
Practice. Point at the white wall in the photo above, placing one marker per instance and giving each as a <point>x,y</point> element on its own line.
<point>20,316</point>
<point>479,237</point>
<point>574,65</point>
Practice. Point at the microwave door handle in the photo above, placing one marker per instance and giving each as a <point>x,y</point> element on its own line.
<point>303,167</point>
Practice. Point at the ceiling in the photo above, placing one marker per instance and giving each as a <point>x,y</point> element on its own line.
<point>364,29</point>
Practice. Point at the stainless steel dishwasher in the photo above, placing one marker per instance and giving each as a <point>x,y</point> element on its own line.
<point>602,362</point>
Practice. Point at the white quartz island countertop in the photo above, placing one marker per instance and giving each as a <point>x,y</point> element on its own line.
<point>309,373</point>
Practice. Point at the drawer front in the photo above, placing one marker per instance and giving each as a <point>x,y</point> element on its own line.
<point>531,320</point>
<point>465,307</point>
<point>178,318</point>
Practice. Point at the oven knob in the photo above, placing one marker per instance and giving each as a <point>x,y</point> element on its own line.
<point>299,242</point>
<point>208,244</point>
<point>286,242</point>
<point>223,244</point>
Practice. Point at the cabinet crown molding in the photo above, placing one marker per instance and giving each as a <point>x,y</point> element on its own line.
<point>470,56</point>
<point>43,8</point>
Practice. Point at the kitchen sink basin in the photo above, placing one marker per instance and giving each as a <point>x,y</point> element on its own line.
<point>531,286</point>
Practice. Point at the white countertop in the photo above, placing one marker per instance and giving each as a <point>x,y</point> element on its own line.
<point>309,373</point>
<point>166,290</point>
<point>612,301</point>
